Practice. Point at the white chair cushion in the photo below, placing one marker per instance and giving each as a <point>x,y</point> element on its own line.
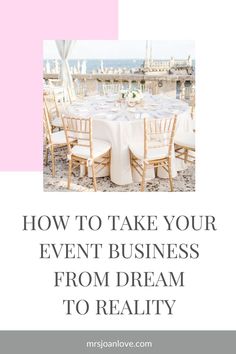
<point>59,137</point>
<point>185,139</point>
<point>57,122</point>
<point>100,147</point>
<point>153,154</point>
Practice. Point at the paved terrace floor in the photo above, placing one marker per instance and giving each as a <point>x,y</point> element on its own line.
<point>184,182</point>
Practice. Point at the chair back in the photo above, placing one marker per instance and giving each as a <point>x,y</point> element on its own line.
<point>79,130</point>
<point>47,125</point>
<point>109,89</point>
<point>51,105</point>
<point>192,107</point>
<point>159,134</point>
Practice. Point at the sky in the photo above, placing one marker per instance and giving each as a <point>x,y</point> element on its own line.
<point>125,49</point>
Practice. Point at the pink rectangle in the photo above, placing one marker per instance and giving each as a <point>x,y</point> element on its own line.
<point>24,25</point>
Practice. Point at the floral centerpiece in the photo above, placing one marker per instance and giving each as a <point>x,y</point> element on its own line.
<point>131,96</point>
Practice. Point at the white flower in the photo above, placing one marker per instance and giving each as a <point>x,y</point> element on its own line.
<point>131,95</point>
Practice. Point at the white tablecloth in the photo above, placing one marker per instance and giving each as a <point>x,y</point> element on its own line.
<point>121,125</point>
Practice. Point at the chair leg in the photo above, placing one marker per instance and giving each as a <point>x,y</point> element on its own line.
<point>109,163</point>
<point>69,173</point>
<point>46,157</point>
<point>186,155</point>
<point>156,171</point>
<point>53,160</point>
<point>143,178</point>
<point>131,162</point>
<point>130,158</point>
<point>170,176</point>
<point>94,178</point>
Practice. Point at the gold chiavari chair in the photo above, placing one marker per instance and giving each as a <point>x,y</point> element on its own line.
<point>146,88</point>
<point>53,140</point>
<point>192,105</point>
<point>81,88</point>
<point>109,89</point>
<point>185,147</point>
<point>53,109</point>
<point>86,151</point>
<point>157,148</point>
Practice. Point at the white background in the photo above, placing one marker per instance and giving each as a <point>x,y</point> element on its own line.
<point>28,298</point>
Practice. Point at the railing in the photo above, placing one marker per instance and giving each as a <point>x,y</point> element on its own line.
<point>179,86</point>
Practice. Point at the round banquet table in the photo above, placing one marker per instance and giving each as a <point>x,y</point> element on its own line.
<point>122,126</point>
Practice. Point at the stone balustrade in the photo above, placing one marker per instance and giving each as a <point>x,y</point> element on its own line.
<point>180,86</point>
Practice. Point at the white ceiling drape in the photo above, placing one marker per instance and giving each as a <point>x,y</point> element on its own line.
<point>64,47</point>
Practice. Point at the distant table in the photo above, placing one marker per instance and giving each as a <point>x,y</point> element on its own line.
<point>57,90</point>
<point>121,125</point>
